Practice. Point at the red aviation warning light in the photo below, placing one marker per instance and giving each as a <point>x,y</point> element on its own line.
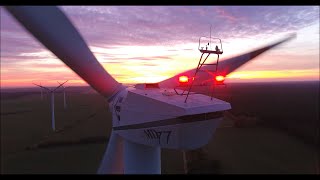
<point>183,79</point>
<point>219,79</point>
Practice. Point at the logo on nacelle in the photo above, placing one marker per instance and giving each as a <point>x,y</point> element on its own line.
<point>157,135</point>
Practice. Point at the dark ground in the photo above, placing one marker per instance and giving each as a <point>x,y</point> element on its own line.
<point>285,141</point>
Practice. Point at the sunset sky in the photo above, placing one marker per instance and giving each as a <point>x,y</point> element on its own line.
<point>139,44</point>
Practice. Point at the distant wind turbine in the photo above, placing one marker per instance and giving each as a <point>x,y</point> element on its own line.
<point>41,93</point>
<point>64,96</point>
<point>53,123</point>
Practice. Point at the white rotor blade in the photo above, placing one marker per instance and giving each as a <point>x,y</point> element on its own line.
<point>224,67</point>
<point>231,64</point>
<point>42,87</point>
<point>60,85</point>
<point>55,31</point>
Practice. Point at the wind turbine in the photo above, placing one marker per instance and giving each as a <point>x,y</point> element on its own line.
<point>64,96</point>
<point>145,118</point>
<point>53,123</point>
<point>41,93</point>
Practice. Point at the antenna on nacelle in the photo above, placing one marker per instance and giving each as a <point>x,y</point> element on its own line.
<point>216,79</point>
<point>210,35</point>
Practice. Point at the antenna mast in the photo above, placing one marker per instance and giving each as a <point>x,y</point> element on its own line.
<point>210,35</point>
<point>208,50</point>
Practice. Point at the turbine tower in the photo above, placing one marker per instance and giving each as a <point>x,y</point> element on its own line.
<point>64,96</point>
<point>53,123</point>
<point>144,118</point>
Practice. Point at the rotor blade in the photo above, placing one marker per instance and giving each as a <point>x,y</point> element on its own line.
<point>229,65</point>
<point>60,85</point>
<point>224,67</point>
<point>55,31</point>
<point>42,87</point>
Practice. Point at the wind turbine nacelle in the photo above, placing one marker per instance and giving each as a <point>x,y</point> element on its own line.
<point>160,117</point>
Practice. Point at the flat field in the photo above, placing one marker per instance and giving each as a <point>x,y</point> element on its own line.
<point>284,143</point>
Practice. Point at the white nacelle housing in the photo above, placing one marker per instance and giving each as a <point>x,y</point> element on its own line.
<point>160,117</point>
